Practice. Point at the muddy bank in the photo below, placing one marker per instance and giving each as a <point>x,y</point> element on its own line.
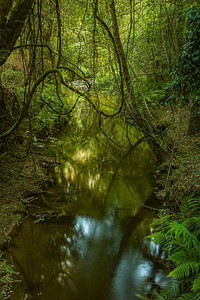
<point>20,179</point>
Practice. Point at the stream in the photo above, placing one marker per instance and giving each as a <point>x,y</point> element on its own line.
<point>92,245</point>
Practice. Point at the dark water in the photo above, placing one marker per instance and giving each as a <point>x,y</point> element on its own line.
<point>97,251</point>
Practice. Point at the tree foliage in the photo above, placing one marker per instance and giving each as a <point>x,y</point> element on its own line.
<point>186,76</point>
<point>121,59</point>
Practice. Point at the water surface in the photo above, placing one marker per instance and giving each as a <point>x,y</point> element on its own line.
<point>98,249</point>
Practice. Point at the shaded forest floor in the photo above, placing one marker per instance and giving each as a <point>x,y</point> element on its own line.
<point>179,175</point>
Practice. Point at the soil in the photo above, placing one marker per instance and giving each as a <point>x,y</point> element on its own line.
<point>179,175</point>
<point>20,180</point>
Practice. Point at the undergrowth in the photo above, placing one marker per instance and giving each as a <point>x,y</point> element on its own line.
<point>179,236</point>
<point>6,273</point>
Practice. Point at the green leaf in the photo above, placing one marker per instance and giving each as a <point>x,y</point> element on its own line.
<point>185,269</point>
<point>196,284</point>
<point>170,291</point>
<point>188,296</point>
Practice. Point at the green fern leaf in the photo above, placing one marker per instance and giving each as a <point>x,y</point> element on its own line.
<point>188,296</point>
<point>179,257</point>
<point>158,237</point>
<point>194,204</point>
<point>185,269</point>
<point>196,284</point>
<point>170,291</point>
<point>183,256</point>
<point>182,235</point>
<point>161,220</point>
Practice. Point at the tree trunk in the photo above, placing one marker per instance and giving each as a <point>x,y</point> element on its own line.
<point>121,52</point>
<point>141,119</point>
<point>12,19</point>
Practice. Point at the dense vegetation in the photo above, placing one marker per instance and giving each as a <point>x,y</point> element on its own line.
<point>137,60</point>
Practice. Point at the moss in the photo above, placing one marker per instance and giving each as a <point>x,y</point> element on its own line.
<point>4,54</point>
<point>182,177</point>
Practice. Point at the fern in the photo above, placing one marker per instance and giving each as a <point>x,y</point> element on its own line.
<point>188,296</point>
<point>196,285</point>
<point>193,204</point>
<point>160,221</point>
<point>170,291</point>
<point>181,238</point>
<point>179,257</point>
<point>185,269</point>
<point>190,206</point>
<point>182,235</point>
<point>160,238</point>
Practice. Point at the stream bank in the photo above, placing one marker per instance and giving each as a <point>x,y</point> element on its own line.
<point>19,181</point>
<point>52,256</point>
<point>29,175</point>
<point>178,175</point>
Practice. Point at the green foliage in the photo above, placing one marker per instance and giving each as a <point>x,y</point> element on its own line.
<point>155,96</point>
<point>6,273</point>
<point>11,77</point>
<point>44,117</point>
<point>187,73</point>
<point>106,82</point>
<point>181,238</point>
<point>170,291</point>
<point>14,79</point>
<point>4,53</point>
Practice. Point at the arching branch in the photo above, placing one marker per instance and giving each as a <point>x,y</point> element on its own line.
<point>28,102</point>
<point>33,90</point>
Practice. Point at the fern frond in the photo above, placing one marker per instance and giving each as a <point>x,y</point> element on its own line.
<point>179,257</point>
<point>196,284</point>
<point>161,239</point>
<point>182,256</point>
<point>193,225</point>
<point>184,269</point>
<point>194,204</point>
<point>182,241</point>
<point>197,296</point>
<point>161,220</point>
<point>182,235</point>
<point>158,237</point>
<point>170,291</point>
<point>188,296</point>
<point>194,220</point>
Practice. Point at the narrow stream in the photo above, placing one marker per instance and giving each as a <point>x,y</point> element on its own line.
<point>97,250</point>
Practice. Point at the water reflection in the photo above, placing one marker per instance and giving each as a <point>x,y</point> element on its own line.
<point>100,251</point>
<point>85,258</point>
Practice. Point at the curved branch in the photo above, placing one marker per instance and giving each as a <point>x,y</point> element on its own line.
<point>33,90</point>
<point>108,137</point>
<point>27,104</point>
<point>57,112</point>
<point>90,101</point>
<point>79,76</point>
<point>35,45</point>
<point>59,39</point>
<point>118,57</point>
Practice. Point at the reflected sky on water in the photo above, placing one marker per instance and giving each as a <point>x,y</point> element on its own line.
<point>99,251</point>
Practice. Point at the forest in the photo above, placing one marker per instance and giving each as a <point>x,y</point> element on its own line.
<point>127,73</point>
